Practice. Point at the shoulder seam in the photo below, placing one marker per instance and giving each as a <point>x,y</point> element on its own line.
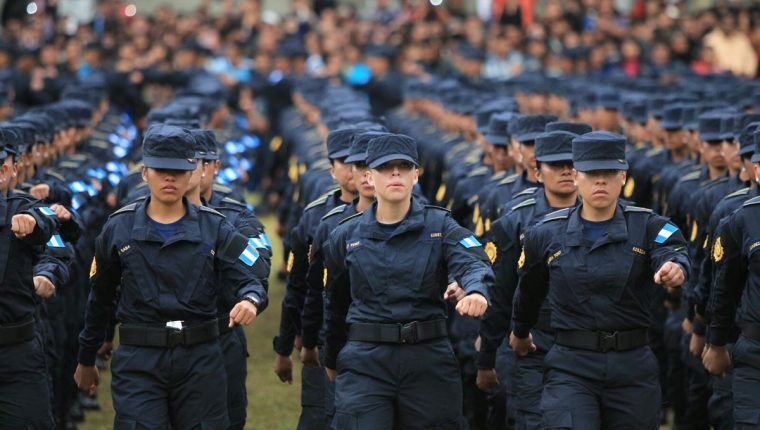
<point>350,217</point>
<point>525,203</point>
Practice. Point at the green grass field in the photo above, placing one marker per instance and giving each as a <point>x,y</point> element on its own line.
<point>271,404</point>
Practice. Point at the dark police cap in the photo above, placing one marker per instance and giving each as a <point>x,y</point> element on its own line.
<point>206,139</point>
<point>672,118</point>
<point>358,151</point>
<point>710,126</point>
<point>528,127</point>
<point>599,150</point>
<point>756,138</point>
<point>392,147</point>
<point>555,146</point>
<point>747,139</point>
<point>8,142</point>
<point>380,51</point>
<point>168,147</point>
<point>497,133</point>
<point>570,127</point>
<point>339,142</point>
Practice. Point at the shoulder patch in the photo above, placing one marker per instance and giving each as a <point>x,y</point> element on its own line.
<point>560,214</point>
<point>232,201</point>
<point>509,179</point>
<point>128,208</point>
<point>526,203</point>
<point>349,218</point>
<point>637,209</point>
<point>437,207</point>
<point>526,192</point>
<point>743,192</point>
<point>210,210</point>
<point>336,210</point>
<point>751,202</point>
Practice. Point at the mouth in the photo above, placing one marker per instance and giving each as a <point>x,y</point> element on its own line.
<point>169,189</point>
<point>599,193</point>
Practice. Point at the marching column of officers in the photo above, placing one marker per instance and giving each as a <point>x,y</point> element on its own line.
<point>546,291</point>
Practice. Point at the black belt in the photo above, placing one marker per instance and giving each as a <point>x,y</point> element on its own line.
<point>168,337</point>
<point>16,332</point>
<point>603,341</point>
<point>751,331</point>
<point>413,332</point>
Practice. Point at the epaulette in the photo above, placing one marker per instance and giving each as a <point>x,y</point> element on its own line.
<point>653,152</point>
<point>102,144</point>
<point>56,175</point>
<point>713,182</point>
<point>509,179</point>
<point>437,207</point>
<point>141,185</point>
<point>210,210</point>
<point>743,192</point>
<point>318,202</point>
<point>68,165</point>
<point>135,170</point>
<point>693,176</point>
<point>21,195</point>
<point>525,192</point>
<point>336,210</point>
<point>349,217</point>
<point>526,203</point>
<point>233,201</point>
<point>128,208</point>
<point>560,214</point>
<point>637,209</point>
<point>221,188</point>
<point>482,170</point>
<point>753,201</point>
<point>80,157</point>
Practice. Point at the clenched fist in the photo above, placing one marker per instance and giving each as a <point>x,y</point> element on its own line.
<point>473,306</point>
<point>23,225</point>
<point>43,287</point>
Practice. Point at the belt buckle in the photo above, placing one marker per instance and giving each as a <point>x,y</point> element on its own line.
<point>607,341</point>
<point>176,325</point>
<point>408,332</point>
<point>175,333</point>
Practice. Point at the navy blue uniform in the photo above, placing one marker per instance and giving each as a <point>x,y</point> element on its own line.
<point>398,279</point>
<point>24,392</point>
<point>599,290</point>
<point>162,281</point>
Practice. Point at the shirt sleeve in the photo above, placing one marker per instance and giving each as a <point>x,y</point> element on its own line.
<point>466,259</point>
<point>730,280</point>
<point>533,284</point>
<point>337,298</point>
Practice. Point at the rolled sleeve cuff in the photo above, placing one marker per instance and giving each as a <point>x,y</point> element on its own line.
<point>521,330</point>
<point>281,346</point>
<point>86,356</point>
<point>486,359</point>
<point>717,336</point>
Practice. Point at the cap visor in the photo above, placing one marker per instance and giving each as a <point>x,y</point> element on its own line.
<point>707,137</point>
<point>670,125</point>
<point>170,163</point>
<point>392,157</point>
<point>501,140</point>
<point>555,157</point>
<point>747,150</point>
<point>343,153</point>
<point>591,165</point>
<point>356,158</point>
<point>756,158</point>
<point>528,136</point>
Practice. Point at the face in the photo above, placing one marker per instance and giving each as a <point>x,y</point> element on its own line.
<point>6,172</point>
<point>393,181</point>
<point>756,170</point>
<point>527,155</point>
<point>342,173</point>
<point>195,177</point>
<point>600,189</point>
<point>360,173</point>
<point>730,151</point>
<point>501,158</point>
<point>210,169</point>
<point>167,186</point>
<point>711,154</point>
<point>558,177</point>
<point>675,139</point>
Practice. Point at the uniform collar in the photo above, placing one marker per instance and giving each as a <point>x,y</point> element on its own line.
<point>616,231</point>
<point>370,227</point>
<point>189,230</point>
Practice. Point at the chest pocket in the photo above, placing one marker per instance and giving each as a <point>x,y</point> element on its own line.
<point>198,288</point>
<point>136,274</point>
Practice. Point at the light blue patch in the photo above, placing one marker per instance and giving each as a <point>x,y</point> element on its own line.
<point>75,203</point>
<point>249,254</point>
<point>55,242</point>
<point>46,211</point>
<point>78,187</point>
<point>470,242</point>
<point>665,233</point>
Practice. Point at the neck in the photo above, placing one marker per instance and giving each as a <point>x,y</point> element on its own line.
<point>716,172</point>
<point>194,196</point>
<point>560,201</point>
<point>165,213</point>
<point>392,213</point>
<point>363,203</point>
<point>208,194</point>
<point>346,196</point>
<point>677,155</point>
<point>598,214</point>
<point>530,174</point>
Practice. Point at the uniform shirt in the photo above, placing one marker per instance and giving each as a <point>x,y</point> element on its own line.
<point>399,278</point>
<point>18,256</point>
<point>736,255</point>
<point>169,280</point>
<point>605,285</point>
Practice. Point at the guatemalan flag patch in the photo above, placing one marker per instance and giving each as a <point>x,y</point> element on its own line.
<point>470,242</point>
<point>55,242</point>
<point>665,233</point>
<point>249,254</point>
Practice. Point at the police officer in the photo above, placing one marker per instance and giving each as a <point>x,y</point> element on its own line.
<point>598,263</point>
<point>168,256</point>
<point>555,172</point>
<point>385,312</point>
<point>27,225</point>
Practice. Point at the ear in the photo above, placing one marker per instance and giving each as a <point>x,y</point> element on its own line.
<point>370,179</point>
<point>416,175</point>
<point>144,173</point>
<point>623,176</point>
<point>538,175</point>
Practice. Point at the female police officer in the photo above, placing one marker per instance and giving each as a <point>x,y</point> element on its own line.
<point>599,263</point>
<point>388,268</point>
<point>167,256</point>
